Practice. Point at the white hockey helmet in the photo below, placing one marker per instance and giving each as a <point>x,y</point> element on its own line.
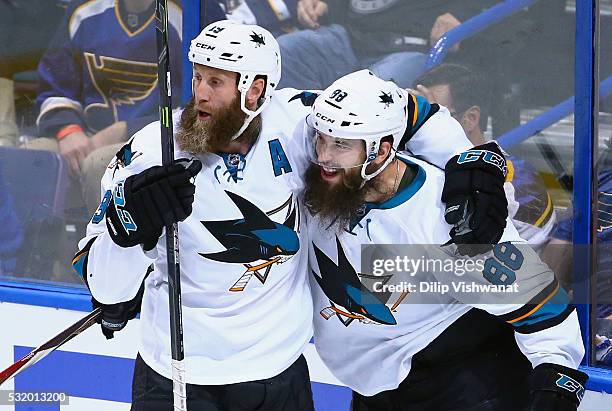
<point>248,50</point>
<point>360,106</point>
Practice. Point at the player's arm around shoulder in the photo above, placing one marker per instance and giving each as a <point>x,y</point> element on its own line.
<point>289,113</point>
<point>432,133</point>
<point>295,103</point>
<point>476,204</point>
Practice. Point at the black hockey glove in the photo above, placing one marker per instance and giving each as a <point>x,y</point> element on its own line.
<point>554,387</point>
<point>476,203</point>
<point>115,316</point>
<point>145,203</point>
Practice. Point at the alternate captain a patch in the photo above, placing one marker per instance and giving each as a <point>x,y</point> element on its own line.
<point>280,162</point>
<point>254,240</point>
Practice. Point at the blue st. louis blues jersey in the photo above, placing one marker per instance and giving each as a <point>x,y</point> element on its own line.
<point>102,67</point>
<point>368,335</point>
<point>529,204</point>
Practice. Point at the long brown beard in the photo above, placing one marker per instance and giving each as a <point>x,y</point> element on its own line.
<point>335,204</point>
<point>199,137</point>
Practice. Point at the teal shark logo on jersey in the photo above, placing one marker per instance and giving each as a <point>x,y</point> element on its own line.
<point>255,240</point>
<point>350,299</point>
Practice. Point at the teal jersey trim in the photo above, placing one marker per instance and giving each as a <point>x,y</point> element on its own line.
<point>554,307</point>
<point>398,199</point>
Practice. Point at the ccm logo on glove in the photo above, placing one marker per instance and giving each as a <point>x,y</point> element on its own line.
<point>142,205</point>
<point>484,155</point>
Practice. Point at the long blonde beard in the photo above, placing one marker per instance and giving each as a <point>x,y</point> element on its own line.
<point>199,137</point>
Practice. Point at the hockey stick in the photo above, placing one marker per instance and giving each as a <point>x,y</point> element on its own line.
<point>552,158</point>
<point>48,347</point>
<point>179,385</point>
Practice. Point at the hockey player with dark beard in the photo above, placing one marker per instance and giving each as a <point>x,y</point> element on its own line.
<point>434,351</point>
<point>247,306</point>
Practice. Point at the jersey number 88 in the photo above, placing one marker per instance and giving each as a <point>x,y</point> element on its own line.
<point>500,269</point>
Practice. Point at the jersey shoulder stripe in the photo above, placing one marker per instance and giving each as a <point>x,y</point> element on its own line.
<point>86,10</point>
<point>419,111</point>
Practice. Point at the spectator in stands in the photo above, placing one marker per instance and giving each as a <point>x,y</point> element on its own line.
<point>22,52</point>
<point>98,82</point>
<point>391,38</point>
<point>96,90</point>
<point>559,255</point>
<point>463,93</point>
<point>278,16</point>
<point>8,127</point>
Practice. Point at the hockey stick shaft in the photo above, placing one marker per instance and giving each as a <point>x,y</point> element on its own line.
<point>48,347</point>
<point>172,245</point>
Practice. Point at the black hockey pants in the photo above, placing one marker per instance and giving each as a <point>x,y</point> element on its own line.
<point>288,391</point>
<point>474,365</point>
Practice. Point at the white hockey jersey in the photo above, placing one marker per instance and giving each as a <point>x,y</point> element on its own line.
<point>247,307</point>
<point>367,335</point>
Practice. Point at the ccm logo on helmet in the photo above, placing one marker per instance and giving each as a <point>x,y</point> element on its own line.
<point>325,118</point>
<point>205,46</point>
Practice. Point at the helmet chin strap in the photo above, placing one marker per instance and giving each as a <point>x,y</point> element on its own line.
<point>250,114</point>
<point>367,177</point>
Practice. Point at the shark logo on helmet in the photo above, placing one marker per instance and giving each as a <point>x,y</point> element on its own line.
<point>258,39</point>
<point>386,98</point>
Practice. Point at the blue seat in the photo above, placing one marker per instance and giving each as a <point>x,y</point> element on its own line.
<point>37,182</point>
<point>34,186</point>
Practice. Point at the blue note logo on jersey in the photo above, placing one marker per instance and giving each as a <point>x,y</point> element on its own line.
<point>118,82</point>
<point>371,6</point>
<point>348,295</point>
<point>255,240</point>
